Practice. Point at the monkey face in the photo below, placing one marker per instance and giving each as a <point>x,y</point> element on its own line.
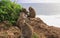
<point>30,9</point>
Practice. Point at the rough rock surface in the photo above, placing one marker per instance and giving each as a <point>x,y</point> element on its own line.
<point>7,31</point>
<point>43,29</point>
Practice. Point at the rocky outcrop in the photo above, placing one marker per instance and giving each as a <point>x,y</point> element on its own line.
<point>8,31</point>
<point>43,29</point>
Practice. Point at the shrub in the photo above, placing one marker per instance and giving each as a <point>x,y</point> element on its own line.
<point>35,35</point>
<point>9,11</point>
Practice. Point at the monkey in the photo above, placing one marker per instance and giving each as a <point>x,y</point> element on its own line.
<point>31,12</point>
<point>26,29</point>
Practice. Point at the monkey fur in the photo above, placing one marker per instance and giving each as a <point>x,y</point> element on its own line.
<point>31,12</point>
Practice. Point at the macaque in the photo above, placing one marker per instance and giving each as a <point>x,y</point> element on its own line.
<point>31,12</point>
<point>25,27</point>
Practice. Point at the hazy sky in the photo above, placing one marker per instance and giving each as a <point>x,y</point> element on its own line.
<point>44,8</point>
<point>38,1</point>
<point>53,20</point>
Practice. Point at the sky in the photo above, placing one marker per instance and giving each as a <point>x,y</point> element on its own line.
<point>38,1</point>
<point>53,20</point>
<point>47,10</point>
<point>44,8</point>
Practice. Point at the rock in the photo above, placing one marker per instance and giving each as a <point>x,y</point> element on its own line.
<point>4,25</point>
<point>9,32</point>
<point>42,29</point>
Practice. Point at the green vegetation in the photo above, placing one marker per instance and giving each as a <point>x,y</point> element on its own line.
<point>9,11</point>
<point>35,35</point>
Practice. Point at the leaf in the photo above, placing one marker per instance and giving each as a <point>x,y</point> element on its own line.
<point>9,11</point>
